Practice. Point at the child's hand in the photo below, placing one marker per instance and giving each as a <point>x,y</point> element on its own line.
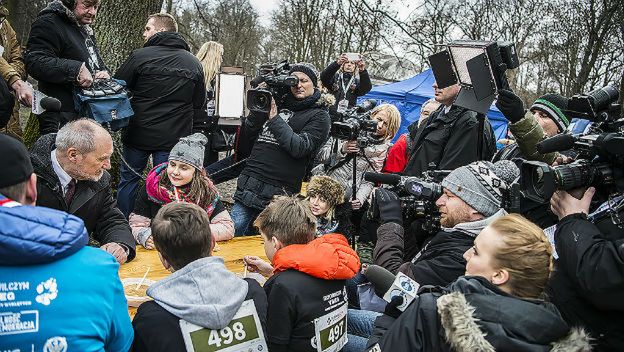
<point>149,244</point>
<point>257,265</point>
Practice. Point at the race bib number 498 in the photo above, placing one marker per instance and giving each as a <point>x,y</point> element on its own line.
<point>243,333</point>
<point>331,330</point>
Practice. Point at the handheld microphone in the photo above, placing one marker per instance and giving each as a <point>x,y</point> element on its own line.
<point>389,286</point>
<point>556,143</point>
<point>51,104</point>
<point>387,179</point>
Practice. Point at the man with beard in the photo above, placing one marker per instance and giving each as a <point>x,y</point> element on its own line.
<point>472,198</point>
<point>71,176</point>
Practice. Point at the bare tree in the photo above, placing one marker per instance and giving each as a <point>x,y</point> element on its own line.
<point>21,15</point>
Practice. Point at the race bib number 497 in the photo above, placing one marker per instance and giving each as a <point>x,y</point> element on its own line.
<point>331,330</point>
<point>243,333</point>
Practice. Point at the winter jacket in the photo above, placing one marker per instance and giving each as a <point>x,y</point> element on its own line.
<point>284,147</point>
<point>57,47</point>
<point>472,314</point>
<point>448,140</point>
<point>190,294</point>
<point>588,282</point>
<point>309,282</point>
<point>11,62</point>
<point>333,81</point>
<point>440,261</point>
<point>93,201</point>
<point>7,102</point>
<point>397,155</point>
<point>221,224</point>
<point>528,133</point>
<point>375,153</point>
<point>56,293</point>
<point>168,92</point>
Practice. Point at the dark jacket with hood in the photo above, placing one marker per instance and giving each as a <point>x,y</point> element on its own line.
<point>93,201</point>
<point>333,81</point>
<point>57,47</point>
<point>448,140</point>
<point>168,92</point>
<point>61,287</point>
<point>439,262</point>
<point>588,282</point>
<point>309,282</point>
<point>471,314</point>
<point>191,294</point>
<point>283,149</point>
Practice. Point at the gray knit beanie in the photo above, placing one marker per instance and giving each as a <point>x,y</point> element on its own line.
<point>190,150</point>
<point>481,184</point>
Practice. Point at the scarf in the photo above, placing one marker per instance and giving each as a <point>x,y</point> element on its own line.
<point>293,104</point>
<point>161,195</point>
<point>325,226</point>
<point>473,228</point>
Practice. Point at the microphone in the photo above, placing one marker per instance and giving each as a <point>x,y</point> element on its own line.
<point>556,143</point>
<point>51,104</point>
<point>389,286</point>
<point>386,179</point>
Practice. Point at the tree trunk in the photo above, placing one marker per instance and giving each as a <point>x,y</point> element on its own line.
<point>119,27</point>
<point>21,15</point>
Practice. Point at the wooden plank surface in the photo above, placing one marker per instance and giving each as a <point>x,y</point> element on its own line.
<point>232,252</point>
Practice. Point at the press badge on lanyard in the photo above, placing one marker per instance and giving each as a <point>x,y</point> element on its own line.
<point>330,330</point>
<point>243,333</point>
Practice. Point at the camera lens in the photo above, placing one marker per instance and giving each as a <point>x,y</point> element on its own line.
<point>603,97</point>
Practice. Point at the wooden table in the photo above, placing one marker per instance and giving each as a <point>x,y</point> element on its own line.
<point>232,252</point>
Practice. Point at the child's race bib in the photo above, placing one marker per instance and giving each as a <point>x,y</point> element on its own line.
<point>243,333</point>
<point>330,330</point>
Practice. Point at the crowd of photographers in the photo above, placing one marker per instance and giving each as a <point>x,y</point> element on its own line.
<point>520,249</point>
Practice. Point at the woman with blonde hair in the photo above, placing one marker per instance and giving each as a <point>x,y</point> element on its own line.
<point>496,306</point>
<point>336,160</point>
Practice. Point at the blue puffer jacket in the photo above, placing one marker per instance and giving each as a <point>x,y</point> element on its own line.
<point>57,294</point>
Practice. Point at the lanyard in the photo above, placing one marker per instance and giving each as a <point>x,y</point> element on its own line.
<point>344,88</point>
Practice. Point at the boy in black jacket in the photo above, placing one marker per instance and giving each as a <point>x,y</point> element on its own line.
<point>201,304</point>
<point>306,294</point>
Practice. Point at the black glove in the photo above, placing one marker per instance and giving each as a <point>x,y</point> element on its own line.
<point>391,309</point>
<point>510,105</point>
<point>389,206</point>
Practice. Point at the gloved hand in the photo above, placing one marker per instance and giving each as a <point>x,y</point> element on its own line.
<point>389,206</point>
<point>510,105</point>
<point>391,308</point>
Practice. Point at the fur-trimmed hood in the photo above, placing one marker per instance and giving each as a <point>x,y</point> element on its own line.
<point>477,316</point>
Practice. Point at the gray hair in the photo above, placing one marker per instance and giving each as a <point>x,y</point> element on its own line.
<point>79,134</point>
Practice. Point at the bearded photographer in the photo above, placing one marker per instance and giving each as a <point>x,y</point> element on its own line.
<point>282,146</point>
<point>588,283</point>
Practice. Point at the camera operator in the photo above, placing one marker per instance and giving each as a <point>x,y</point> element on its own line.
<point>544,119</point>
<point>284,146</point>
<point>346,80</point>
<point>371,158</point>
<point>449,137</point>
<point>473,197</point>
<point>588,282</point>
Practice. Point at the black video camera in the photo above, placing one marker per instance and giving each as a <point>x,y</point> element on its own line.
<point>278,80</point>
<point>356,125</point>
<point>600,152</point>
<point>418,196</point>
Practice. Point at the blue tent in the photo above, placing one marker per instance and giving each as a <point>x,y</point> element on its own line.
<point>409,95</point>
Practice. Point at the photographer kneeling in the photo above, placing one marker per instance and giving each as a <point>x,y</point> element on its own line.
<point>588,283</point>
<point>284,145</point>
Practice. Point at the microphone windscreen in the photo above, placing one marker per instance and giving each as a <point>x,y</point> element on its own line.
<point>386,179</point>
<point>381,279</point>
<point>51,104</point>
<point>556,143</point>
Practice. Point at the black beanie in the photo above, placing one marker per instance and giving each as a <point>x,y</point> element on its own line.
<point>306,68</point>
<point>551,104</point>
<point>15,165</point>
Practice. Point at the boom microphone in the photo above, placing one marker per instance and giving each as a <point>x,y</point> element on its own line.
<point>381,279</point>
<point>51,104</point>
<point>556,143</point>
<point>386,179</point>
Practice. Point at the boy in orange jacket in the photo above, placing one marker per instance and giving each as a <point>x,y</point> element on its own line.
<point>306,291</point>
